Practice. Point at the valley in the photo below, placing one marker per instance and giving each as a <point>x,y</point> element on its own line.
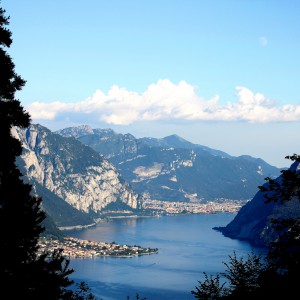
<point>84,175</point>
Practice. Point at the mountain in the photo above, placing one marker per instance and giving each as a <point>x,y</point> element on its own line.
<point>174,169</point>
<point>176,141</point>
<point>252,222</point>
<point>76,183</point>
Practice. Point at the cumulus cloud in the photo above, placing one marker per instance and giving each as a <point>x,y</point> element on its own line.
<point>165,100</point>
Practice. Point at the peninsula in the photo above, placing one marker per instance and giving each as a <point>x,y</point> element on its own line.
<point>78,248</point>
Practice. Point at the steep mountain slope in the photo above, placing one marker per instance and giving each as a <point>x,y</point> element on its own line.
<point>62,213</point>
<point>252,222</point>
<point>173,169</point>
<point>72,172</point>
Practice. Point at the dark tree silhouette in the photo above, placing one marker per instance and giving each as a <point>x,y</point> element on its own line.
<point>284,252</point>
<point>243,274</point>
<point>287,186</point>
<point>277,275</point>
<point>210,288</point>
<point>23,273</point>
<point>242,279</point>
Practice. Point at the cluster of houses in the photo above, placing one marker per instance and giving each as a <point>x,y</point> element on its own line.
<point>78,248</point>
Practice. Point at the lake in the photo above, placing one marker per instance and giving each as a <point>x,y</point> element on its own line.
<point>187,247</point>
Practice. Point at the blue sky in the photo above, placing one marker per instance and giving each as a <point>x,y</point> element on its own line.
<point>224,74</point>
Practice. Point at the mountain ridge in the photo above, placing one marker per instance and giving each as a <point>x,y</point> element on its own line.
<point>174,169</point>
<point>69,171</point>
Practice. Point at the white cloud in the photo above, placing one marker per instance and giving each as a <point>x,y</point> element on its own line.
<point>263,41</point>
<point>165,100</point>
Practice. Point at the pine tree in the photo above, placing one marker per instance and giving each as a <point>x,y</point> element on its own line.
<point>24,274</point>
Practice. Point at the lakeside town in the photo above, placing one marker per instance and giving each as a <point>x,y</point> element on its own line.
<point>78,248</point>
<point>194,206</point>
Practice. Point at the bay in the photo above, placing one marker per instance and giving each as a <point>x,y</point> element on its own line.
<point>187,247</point>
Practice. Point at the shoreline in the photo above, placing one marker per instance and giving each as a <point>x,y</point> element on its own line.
<point>77,227</point>
<point>80,248</point>
<point>99,220</point>
<point>113,256</point>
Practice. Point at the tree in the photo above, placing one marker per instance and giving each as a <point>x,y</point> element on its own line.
<point>243,275</point>
<point>284,252</point>
<point>275,277</point>
<point>286,186</point>
<point>242,279</point>
<point>24,274</point>
<point>210,288</point>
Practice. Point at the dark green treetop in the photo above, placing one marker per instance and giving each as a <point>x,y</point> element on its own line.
<point>24,274</point>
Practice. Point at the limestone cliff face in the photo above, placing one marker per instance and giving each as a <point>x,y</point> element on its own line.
<point>72,171</point>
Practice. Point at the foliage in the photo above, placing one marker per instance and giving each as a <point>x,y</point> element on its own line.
<point>24,274</point>
<point>210,288</point>
<point>286,186</point>
<point>243,274</point>
<point>137,297</point>
<point>83,292</point>
<point>284,253</point>
<point>276,276</point>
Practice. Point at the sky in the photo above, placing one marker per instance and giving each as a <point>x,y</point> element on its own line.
<point>223,74</point>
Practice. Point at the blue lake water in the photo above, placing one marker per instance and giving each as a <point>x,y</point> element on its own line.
<point>187,245</point>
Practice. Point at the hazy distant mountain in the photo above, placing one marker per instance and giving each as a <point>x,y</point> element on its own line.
<point>176,141</point>
<point>75,182</point>
<point>173,169</point>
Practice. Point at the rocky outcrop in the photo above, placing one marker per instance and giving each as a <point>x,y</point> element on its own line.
<point>72,171</point>
<point>173,169</point>
<point>253,221</point>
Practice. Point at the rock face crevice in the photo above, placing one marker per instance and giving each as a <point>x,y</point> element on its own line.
<point>72,171</point>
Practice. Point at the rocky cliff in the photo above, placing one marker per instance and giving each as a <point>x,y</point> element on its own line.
<point>72,171</point>
<point>173,169</point>
<point>253,221</point>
